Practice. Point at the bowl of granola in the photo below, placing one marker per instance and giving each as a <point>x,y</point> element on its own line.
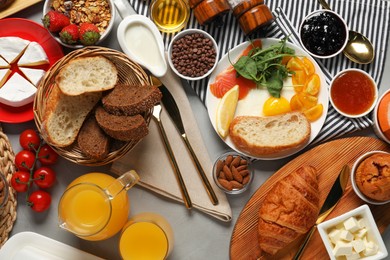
<point>79,23</point>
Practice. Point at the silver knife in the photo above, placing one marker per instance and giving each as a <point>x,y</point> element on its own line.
<point>334,196</point>
<point>174,112</point>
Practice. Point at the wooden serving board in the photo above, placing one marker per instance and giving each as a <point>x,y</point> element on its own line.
<point>16,6</point>
<point>328,159</point>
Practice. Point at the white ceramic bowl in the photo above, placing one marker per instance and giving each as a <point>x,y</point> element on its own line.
<point>234,190</point>
<point>182,34</point>
<point>353,179</point>
<point>377,129</point>
<point>342,23</point>
<point>375,94</point>
<point>372,231</point>
<point>144,36</point>
<point>47,8</point>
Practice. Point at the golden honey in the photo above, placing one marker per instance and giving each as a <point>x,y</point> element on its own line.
<point>169,15</point>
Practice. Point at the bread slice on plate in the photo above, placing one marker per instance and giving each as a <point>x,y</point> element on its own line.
<point>34,55</point>
<point>122,128</point>
<point>64,115</point>
<point>260,136</point>
<point>131,99</point>
<point>87,74</point>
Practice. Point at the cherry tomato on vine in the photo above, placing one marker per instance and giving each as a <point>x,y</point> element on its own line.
<point>46,155</point>
<point>19,181</point>
<point>44,177</point>
<point>24,160</point>
<point>29,140</point>
<point>39,200</point>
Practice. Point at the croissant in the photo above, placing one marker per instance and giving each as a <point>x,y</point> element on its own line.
<point>289,209</point>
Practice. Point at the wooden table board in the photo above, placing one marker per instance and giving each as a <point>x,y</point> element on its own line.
<point>328,159</point>
<point>16,6</point>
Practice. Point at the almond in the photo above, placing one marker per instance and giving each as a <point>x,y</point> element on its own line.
<point>228,173</point>
<point>244,173</point>
<point>219,166</point>
<point>245,180</point>
<point>236,161</point>
<point>236,175</point>
<point>226,184</point>
<point>236,185</point>
<point>229,160</point>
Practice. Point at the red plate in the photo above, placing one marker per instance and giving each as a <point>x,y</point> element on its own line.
<point>32,31</point>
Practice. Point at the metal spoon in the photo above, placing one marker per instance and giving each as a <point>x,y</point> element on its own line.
<point>359,49</point>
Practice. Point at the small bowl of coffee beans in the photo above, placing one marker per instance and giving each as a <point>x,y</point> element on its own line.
<point>232,173</point>
<point>193,54</point>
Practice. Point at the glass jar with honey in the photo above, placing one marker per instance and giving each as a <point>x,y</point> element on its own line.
<point>170,15</point>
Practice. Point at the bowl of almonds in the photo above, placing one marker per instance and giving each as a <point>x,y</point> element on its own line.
<point>232,172</point>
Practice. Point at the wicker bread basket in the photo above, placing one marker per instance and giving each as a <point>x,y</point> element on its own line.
<point>7,168</point>
<point>129,72</point>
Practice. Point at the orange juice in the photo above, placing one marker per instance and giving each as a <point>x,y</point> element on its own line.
<point>146,236</point>
<point>87,210</point>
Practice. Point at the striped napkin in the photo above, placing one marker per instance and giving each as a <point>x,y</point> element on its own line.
<point>370,17</point>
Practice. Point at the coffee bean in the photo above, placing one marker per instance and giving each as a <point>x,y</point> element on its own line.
<point>193,55</point>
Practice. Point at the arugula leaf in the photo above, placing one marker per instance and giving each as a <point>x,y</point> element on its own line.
<point>264,66</point>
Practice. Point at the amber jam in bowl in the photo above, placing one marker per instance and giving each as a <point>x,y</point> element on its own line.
<point>353,93</point>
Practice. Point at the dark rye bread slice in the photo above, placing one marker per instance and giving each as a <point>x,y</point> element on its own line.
<point>92,140</point>
<point>123,128</point>
<point>131,99</point>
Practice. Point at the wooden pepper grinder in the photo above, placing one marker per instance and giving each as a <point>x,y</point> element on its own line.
<point>206,11</point>
<point>251,14</point>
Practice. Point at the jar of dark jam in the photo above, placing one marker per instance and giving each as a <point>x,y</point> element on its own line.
<point>323,34</point>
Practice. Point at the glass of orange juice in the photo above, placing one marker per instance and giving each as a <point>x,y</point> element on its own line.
<point>95,206</point>
<point>146,236</point>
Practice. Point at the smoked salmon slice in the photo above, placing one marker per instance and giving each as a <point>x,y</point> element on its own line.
<point>229,78</point>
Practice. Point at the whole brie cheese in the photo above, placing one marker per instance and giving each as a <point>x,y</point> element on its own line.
<point>34,55</point>
<point>4,73</point>
<point>12,47</point>
<point>17,91</point>
<point>33,75</point>
<point>4,64</point>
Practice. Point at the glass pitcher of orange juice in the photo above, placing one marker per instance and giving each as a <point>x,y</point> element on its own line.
<point>95,206</point>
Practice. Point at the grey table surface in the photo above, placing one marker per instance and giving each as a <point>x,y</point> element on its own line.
<point>197,235</point>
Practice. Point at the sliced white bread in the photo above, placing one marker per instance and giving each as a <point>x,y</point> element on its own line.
<point>260,136</point>
<point>4,73</point>
<point>64,116</point>
<point>33,75</point>
<point>11,48</point>
<point>87,74</point>
<point>17,91</point>
<point>4,64</point>
<point>34,55</point>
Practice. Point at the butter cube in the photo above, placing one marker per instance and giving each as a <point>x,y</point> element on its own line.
<point>352,256</point>
<point>360,233</point>
<point>362,223</point>
<point>358,245</point>
<point>340,226</point>
<point>346,235</point>
<point>342,248</point>
<point>334,235</point>
<point>371,248</point>
<point>351,224</point>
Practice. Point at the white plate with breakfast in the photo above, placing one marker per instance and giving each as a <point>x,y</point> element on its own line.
<point>256,106</point>
<point>27,51</point>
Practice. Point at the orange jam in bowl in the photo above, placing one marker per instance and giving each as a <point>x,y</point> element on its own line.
<point>353,93</point>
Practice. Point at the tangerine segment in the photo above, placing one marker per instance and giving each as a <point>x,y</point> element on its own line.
<point>312,114</point>
<point>313,85</point>
<point>226,110</point>
<point>295,64</point>
<point>308,101</point>
<point>309,66</point>
<point>299,79</point>
<point>296,103</point>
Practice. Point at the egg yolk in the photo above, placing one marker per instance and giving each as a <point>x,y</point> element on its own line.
<point>276,106</point>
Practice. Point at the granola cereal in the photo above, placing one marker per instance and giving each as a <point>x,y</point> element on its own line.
<point>80,11</point>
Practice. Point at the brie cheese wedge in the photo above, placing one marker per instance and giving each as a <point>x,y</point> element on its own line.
<point>33,75</point>
<point>4,64</point>
<point>11,48</point>
<point>4,73</point>
<point>34,55</point>
<point>17,91</point>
